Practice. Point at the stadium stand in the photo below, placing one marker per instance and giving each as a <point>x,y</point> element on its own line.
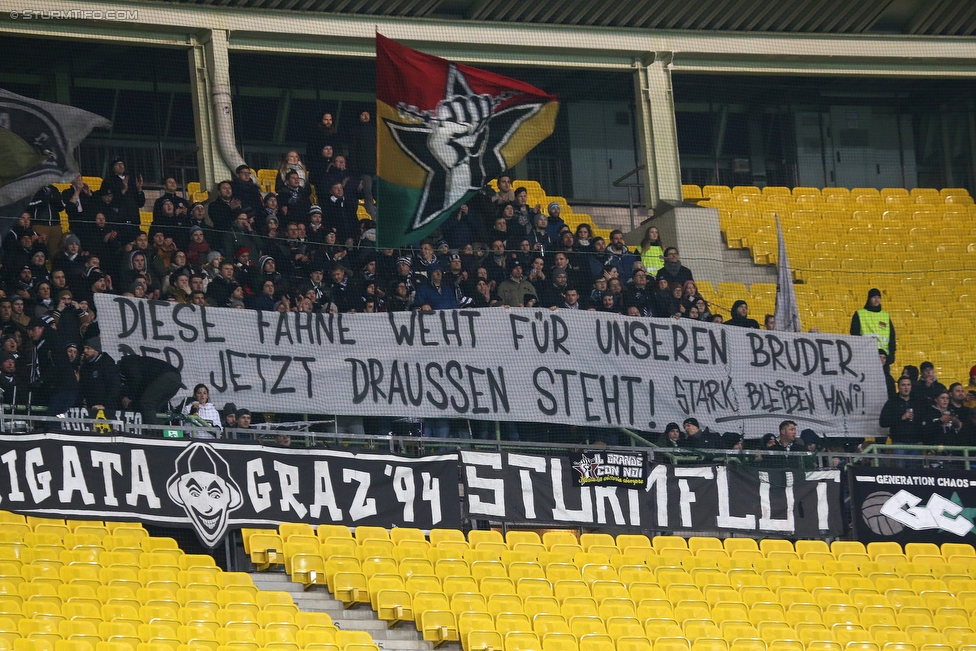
<point>916,246</point>
<point>567,592</point>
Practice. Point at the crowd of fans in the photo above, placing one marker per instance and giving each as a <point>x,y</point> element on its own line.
<point>303,248</point>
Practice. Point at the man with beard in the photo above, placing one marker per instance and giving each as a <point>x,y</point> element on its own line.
<point>966,415</point>
<point>225,208</point>
<point>245,190</point>
<point>551,293</point>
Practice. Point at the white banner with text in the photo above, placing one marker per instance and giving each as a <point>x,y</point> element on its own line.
<point>565,366</point>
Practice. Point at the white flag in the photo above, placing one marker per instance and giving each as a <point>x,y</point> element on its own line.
<point>787,315</point>
<point>36,144</point>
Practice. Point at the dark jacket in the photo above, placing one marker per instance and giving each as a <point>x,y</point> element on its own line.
<point>742,322</point>
<point>137,372</point>
<point>219,291</point>
<point>236,238</point>
<point>438,298</point>
<point>362,148</point>
<point>681,276</point>
<point>128,203</point>
<point>340,214</point>
<point>900,431</point>
<point>175,199</point>
<point>49,362</point>
<point>77,214</point>
<point>221,214</point>
<point>249,195</point>
<point>100,383</point>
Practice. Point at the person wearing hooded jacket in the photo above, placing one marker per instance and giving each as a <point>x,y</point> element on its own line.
<point>99,377</point>
<point>740,316</point>
<point>137,267</point>
<point>872,321</point>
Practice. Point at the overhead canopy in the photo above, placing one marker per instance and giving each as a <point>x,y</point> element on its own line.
<point>922,17</point>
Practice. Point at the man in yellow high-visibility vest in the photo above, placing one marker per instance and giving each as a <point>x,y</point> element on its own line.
<point>872,321</point>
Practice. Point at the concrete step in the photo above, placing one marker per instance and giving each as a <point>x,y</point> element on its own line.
<point>404,637</point>
<point>336,610</point>
<point>740,268</point>
<point>404,645</point>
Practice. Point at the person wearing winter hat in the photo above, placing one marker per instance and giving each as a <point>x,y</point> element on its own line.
<point>49,370</point>
<point>69,259</point>
<point>11,384</point>
<point>513,291</point>
<point>198,248</point>
<point>811,440</point>
<point>928,385</point>
<point>554,223</point>
<point>229,412</point>
<point>695,436</point>
<point>872,321</point>
<point>671,437</point>
<point>98,377</point>
<point>740,316</point>
<point>732,441</point>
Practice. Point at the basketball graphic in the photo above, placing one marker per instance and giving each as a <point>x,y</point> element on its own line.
<point>871,512</point>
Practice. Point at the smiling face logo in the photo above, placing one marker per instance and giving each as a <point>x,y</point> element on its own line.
<point>202,485</point>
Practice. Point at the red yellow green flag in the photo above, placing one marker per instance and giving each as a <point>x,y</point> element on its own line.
<point>444,130</point>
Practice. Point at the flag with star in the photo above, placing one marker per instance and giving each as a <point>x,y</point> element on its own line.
<point>444,130</point>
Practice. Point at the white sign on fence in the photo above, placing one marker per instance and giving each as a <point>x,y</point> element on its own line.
<point>576,367</point>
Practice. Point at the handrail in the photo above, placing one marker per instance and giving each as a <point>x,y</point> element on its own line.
<point>630,197</point>
<point>412,445</point>
<point>617,183</point>
<point>880,448</point>
<point>636,438</point>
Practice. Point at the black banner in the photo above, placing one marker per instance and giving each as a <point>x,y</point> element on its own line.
<point>215,486</point>
<point>542,491</point>
<point>904,505</point>
<point>128,417</point>
<point>607,468</point>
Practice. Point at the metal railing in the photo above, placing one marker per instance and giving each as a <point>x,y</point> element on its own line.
<point>924,452</point>
<point>959,457</point>
<point>619,183</point>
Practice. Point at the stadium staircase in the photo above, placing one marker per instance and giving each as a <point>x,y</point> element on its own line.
<point>93,586</point>
<point>593,592</point>
<point>917,247</point>
<point>361,620</point>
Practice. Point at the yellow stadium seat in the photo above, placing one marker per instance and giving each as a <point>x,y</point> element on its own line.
<point>483,641</point>
<point>696,544</point>
<point>476,536</point>
<point>438,626</point>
